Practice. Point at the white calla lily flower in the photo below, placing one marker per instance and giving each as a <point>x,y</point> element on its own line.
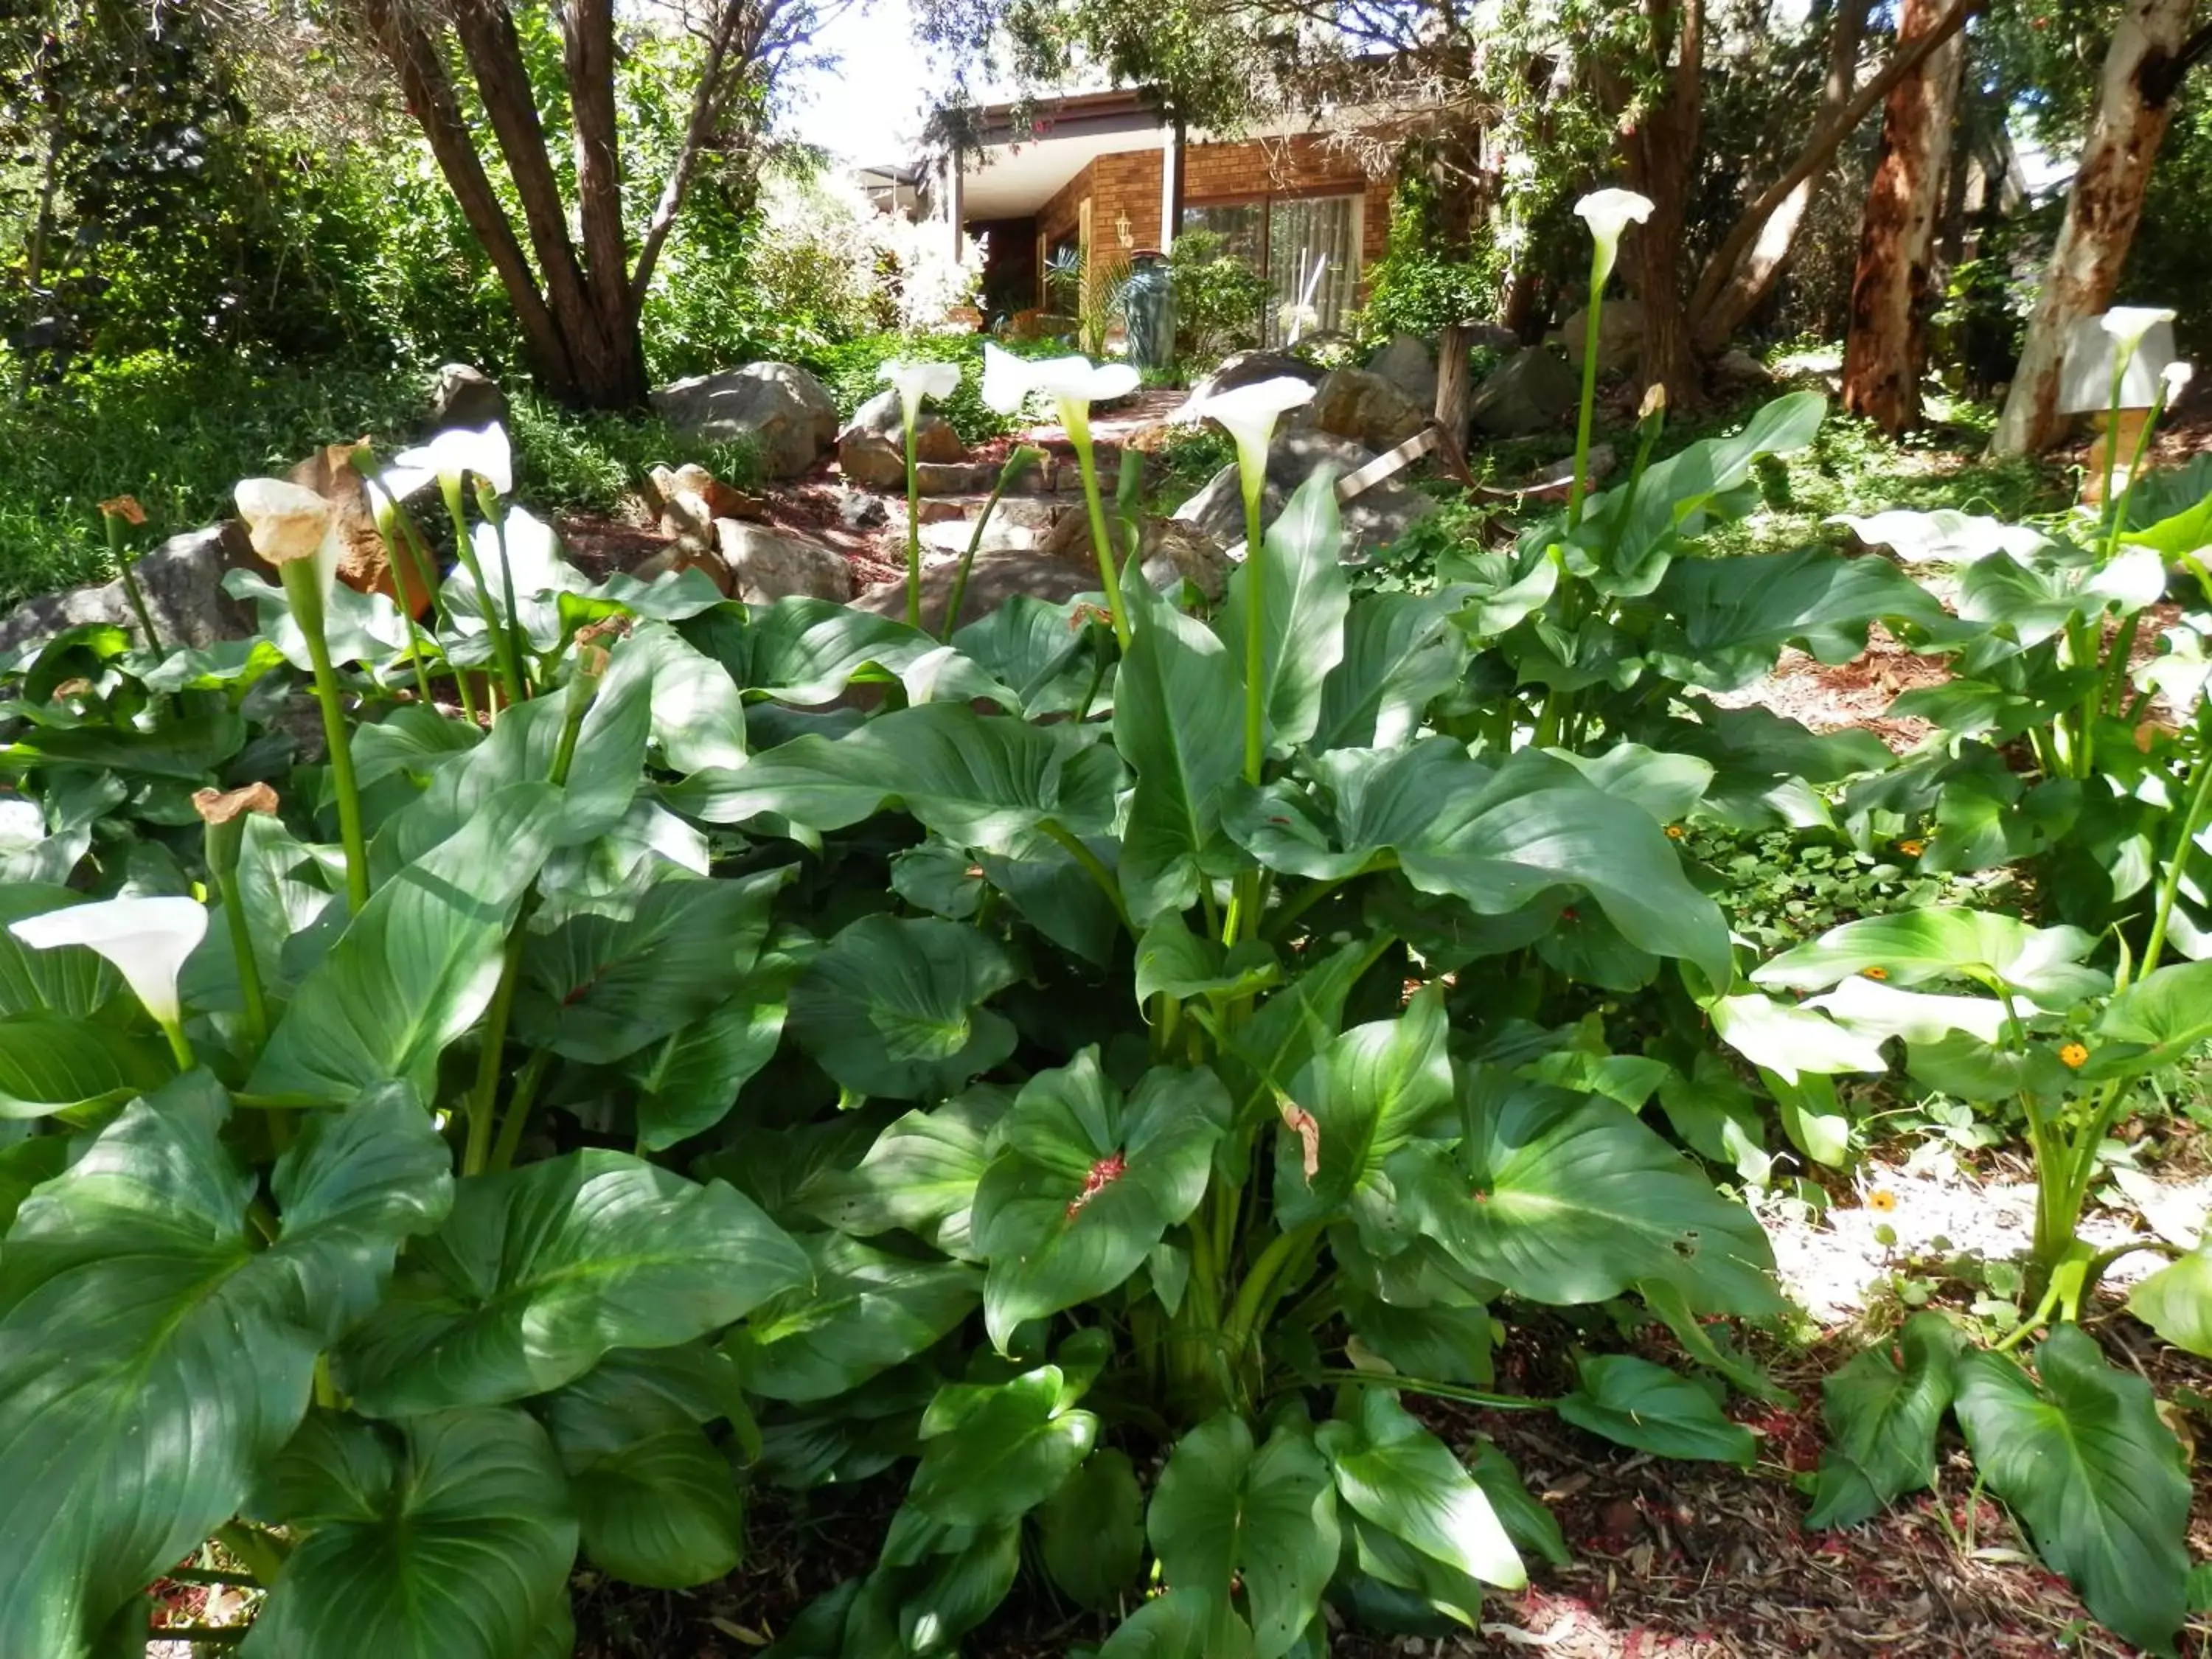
<point>482,452</point>
<point>1608,213</point>
<point>913,381</point>
<point>388,486</point>
<point>1073,383</point>
<point>147,940</point>
<point>2175,378</point>
<point>2127,325</point>
<point>1249,414</point>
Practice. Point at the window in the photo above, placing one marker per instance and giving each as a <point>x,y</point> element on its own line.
<point>1308,248</point>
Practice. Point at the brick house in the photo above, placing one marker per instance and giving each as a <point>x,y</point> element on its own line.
<point>1101,176</point>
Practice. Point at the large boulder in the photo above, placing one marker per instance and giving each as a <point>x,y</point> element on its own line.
<point>781,409</point>
<point>1374,518</point>
<point>765,567</point>
<point>1249,367</point>
<point>872,449</point>
<point>1170,552</point>
<point>1356,403</point>
<point>1409,365</point>
<point>465,396</point>
<point>994,579</point>
<point>182,581</point>
<point>1530,391</point>
<point>1620,332</point>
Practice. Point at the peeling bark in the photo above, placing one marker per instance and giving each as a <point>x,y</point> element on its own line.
<point>2107,202</point>
<point>1661,151</point>
<point>1894,288</point>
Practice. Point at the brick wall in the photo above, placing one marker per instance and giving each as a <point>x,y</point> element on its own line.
<point>1302,165</point>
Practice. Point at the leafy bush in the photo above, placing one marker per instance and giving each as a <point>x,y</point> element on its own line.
<point>1089,1074</point>
<point>1220,300</point>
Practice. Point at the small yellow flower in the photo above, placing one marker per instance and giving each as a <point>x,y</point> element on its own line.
<point>1912,850</point>
<point>1875,973</point>
<point>1673,832</point>
<point>2074,1056</point>
<point>1881,1199</point>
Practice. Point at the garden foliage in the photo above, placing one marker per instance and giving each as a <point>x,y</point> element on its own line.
<point>789,1048</point>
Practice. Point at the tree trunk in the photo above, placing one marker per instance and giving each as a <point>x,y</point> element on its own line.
<point>589,54</point>
<point>1661,151</point>
<point>1828,137</point>
<point>1454,385</point>
<point>1894,288</point>
<point>2101,212</point>
<point>1715,318</point>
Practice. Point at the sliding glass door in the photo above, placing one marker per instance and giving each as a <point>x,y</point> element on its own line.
<point>1306,246</point>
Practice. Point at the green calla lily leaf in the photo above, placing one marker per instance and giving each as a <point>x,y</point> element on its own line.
<point>1400,1478</point>
<point>1227,1512</point>
<point>541,1271</point>
<point>1882,1410</point>
<point>152,1360</point>
<point>1637,1403</point>
<point>1088,1183</point>
<point>1009,1448</point>
<point>892,1008</point>
<point>449,1536</point>
<point>2080,1452</point>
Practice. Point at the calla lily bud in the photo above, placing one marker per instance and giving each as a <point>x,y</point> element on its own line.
<point>1608,213</point>
<point>1655,401</point>
<point>220,807</point>
<point>2175,378</point>
<point>147,940</point>
<point>284,521</point>
<point>2127,325</point>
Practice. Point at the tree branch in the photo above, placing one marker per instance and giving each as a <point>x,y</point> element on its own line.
<point>415,59</point>
<point>1820,149</point>
<point>706,115</point>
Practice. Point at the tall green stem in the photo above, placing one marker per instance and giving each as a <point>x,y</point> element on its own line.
<point>1076,418</point>
<point>502,644</point>
<point>223,844</point>
<point>1600,268</point>
<point>495,512</point>
<point>1017,463</point>
<point>132,591</point>
<point>2192,820</point>
<point>912,412</point>
<point>1256,630</point>
<point>306,594</point>
<point>483,1097</point>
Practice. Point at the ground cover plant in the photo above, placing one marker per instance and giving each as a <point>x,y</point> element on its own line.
<point>488,1087</point>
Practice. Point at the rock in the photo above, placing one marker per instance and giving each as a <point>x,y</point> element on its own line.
<point>1170,551</point>
<point>685,554</point>
<point>1739,370</point>
<point>994,579</point>
<point>723,500</point>
<point>465,396</point>
<point>1409,365</point>
<point>182,581</point>
<point>859,510</point>
<point>364,562</point>
<point>1352,402</point>
<point>781,409</point>
<point>1491,336</point>
<point>1249,368</point>
<point>1554,483</point>
<point>1619,331</point>
<point>1527,392</point>
<point>1373,520</point>
<point>872,449</point>
<point>953,477</point>
<point>765,567</point>
<point>1015,523</point>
